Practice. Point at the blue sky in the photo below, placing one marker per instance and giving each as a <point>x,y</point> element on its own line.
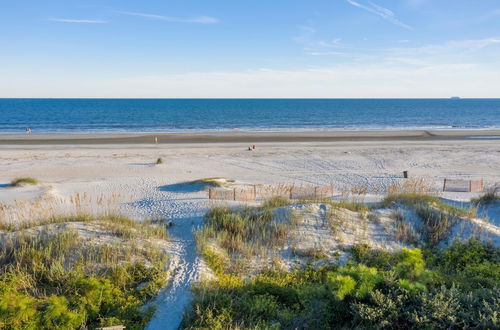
<point>258,48</point>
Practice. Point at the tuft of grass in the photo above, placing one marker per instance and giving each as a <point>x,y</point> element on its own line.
<point>404,230</point>
<point>212,182</point>
<point>159,161</point>
<point>490,196</point>
<point>23,181</point>
<point>275,202</point>
<point>313,253</point>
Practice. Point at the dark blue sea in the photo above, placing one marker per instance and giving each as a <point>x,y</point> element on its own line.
<point>186,115</point>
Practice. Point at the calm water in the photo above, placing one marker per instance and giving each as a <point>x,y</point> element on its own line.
<point>139,115</point>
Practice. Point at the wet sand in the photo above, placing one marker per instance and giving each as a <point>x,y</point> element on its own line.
<point>245,137</point>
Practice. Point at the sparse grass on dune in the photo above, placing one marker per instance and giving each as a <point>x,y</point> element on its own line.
<point>229,234</point>
<point>115,224</point>
<point>23,181</point>
<point>437,217</point>
<point>491,195</point>
<point>417,200</point>
<point>56,276</point>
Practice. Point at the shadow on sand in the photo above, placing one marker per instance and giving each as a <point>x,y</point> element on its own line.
<point>184,187</point>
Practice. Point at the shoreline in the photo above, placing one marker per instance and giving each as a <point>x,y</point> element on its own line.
<point>248,137</point>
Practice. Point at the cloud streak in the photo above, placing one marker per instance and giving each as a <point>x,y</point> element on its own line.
<point>385,13</point>
<point>83,21</point>
<point>198,19</point>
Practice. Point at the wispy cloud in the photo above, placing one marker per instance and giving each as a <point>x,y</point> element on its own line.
<point>84,21</point>
<point>197,19</point>
<point>385,13</point>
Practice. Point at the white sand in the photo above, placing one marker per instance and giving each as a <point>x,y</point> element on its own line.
<point>144,189</point>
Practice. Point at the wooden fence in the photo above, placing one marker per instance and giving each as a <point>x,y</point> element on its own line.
<point>255,192</point>
<point>463,185</point>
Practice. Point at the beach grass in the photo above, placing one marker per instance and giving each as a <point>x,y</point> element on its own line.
<point>213,182</point>
<point>491,196</point>
<point>23,181</point>
<point>57,276</point>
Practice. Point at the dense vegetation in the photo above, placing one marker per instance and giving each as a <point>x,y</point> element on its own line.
<point>54,278</point>
<point>455,288</point>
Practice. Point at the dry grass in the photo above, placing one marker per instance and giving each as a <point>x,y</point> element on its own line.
<point>48,209</point>
<point>491,195</point>
<point>404,231</point>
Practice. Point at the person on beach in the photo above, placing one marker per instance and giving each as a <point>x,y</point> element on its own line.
<point>28,131</point>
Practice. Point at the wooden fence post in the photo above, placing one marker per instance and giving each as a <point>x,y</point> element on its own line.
<point>209,193</point>
<point>444,185</point>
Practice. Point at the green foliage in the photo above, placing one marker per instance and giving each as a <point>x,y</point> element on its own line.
<point>23,181</point>
<point>406,289</point>
<point>57,280</point>
<point>159,161</point>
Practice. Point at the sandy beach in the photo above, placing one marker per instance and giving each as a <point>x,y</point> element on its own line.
<point>123,166</point>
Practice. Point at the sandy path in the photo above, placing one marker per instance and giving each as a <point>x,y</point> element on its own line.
<point>184,206</point>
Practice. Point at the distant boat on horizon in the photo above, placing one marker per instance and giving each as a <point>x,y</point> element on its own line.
<point>455,97</point>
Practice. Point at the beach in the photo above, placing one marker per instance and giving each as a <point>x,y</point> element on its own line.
<point>123,167</point>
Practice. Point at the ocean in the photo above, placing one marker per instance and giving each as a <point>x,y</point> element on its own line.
<point>187,115</point>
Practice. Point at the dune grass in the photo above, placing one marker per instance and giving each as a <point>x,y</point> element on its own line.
<point>23,181</point>
<point>53,277</point>
<point>159,161</point>
<point>230,235</point>
<point>491,196</point>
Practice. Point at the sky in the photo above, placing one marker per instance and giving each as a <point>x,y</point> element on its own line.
<point>250,48</point>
